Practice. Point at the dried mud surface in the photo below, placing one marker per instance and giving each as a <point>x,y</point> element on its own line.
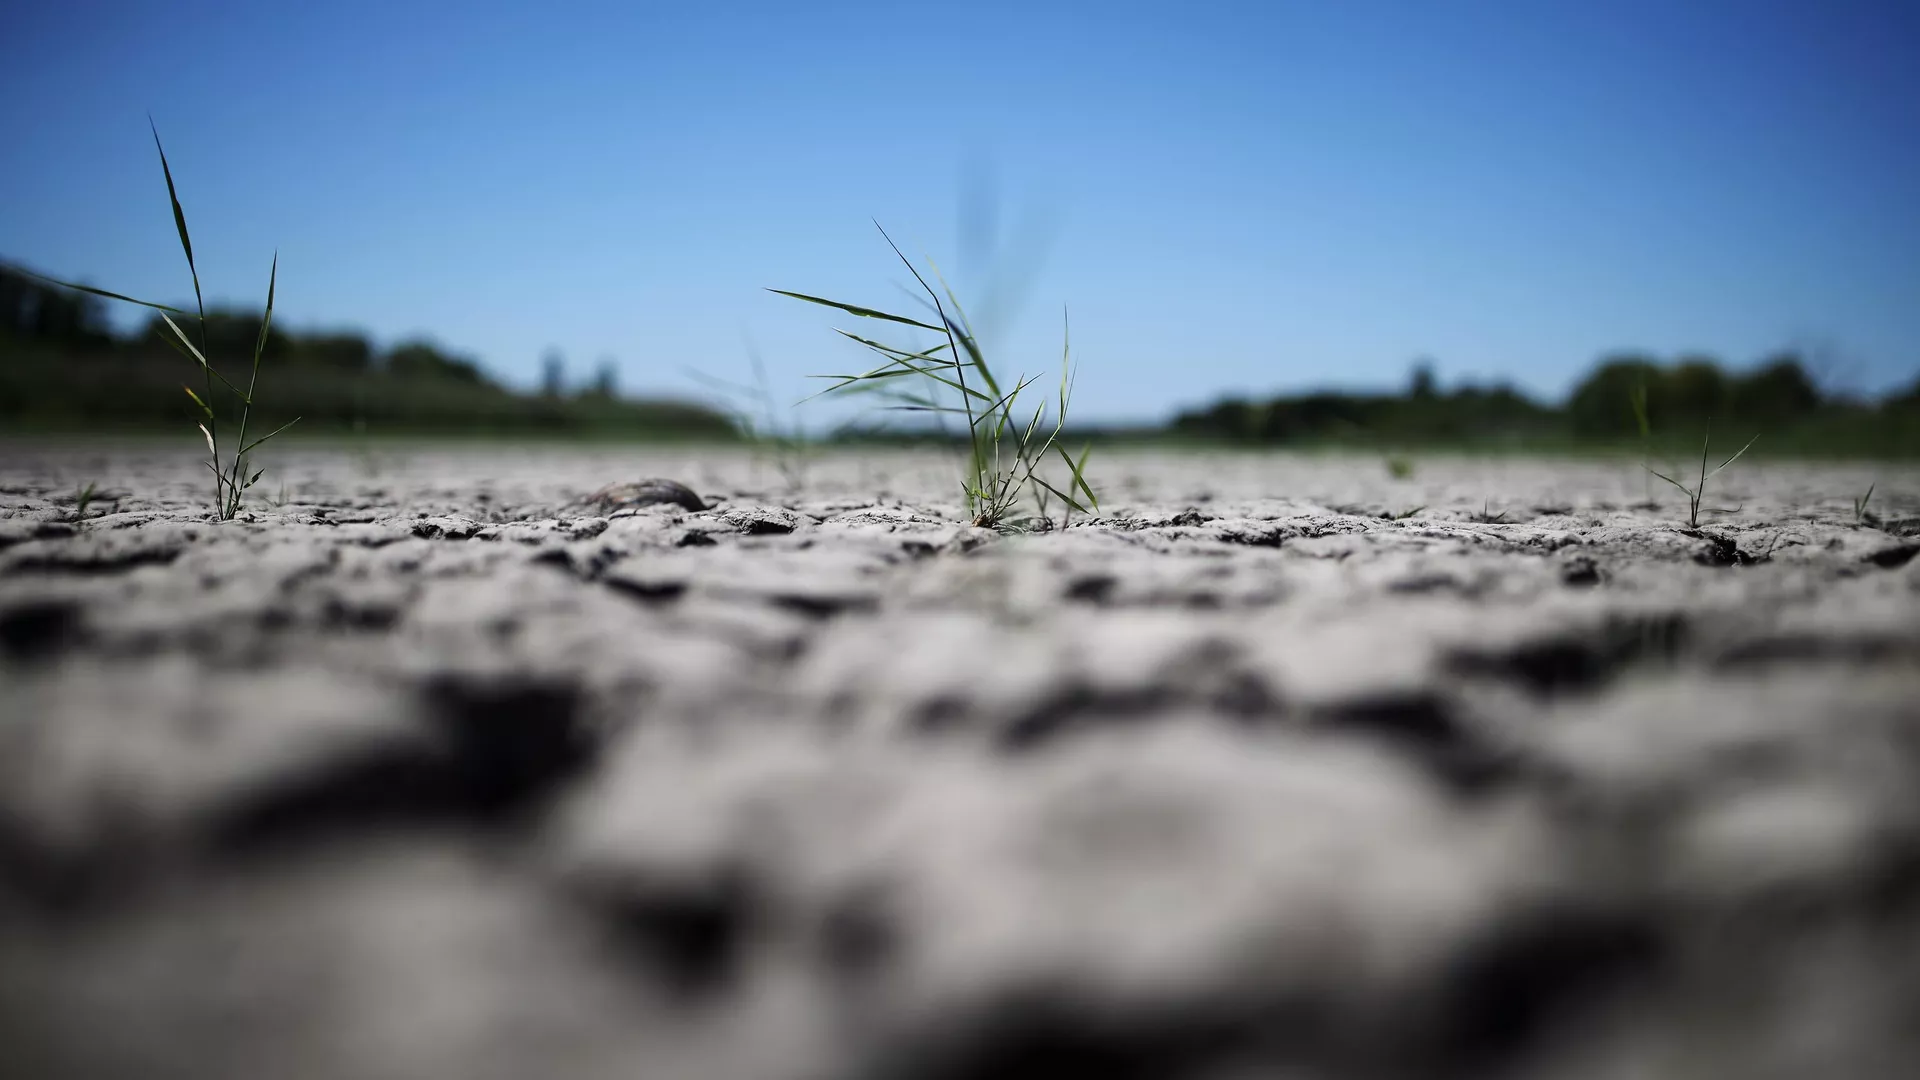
<point>433,768</point>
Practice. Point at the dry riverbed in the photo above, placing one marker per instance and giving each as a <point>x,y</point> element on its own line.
<point>432,766</point>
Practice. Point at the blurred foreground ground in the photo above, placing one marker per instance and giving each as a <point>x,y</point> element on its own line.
<point>432,769</point>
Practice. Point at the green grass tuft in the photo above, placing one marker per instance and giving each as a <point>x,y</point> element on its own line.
<point>1487,515</point>
<point>1006,446</point>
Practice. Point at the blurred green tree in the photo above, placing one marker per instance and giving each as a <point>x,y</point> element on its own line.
<point>334,352</point>
<point>423,360</point>
<point>1777,393</point>
<point>1693,392</point>
<point>606,379</point>
<point>1602,405</point>
<point>1421,386</point>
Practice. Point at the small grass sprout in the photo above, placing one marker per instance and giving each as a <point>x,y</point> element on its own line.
<point>1861,515</point>
<point>1698,491</point>
<point>1488,515</point>
<point>1399,466</point>
<point>82,498</point>
<point>1006,446</point>
<point>230,477</point>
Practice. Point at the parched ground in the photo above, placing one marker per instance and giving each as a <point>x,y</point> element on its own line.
<point>427,767</point>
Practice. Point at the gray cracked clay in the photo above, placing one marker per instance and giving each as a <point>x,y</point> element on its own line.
<point>482,765</point>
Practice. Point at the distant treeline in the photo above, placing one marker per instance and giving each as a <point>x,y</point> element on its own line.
<point>1777,400</point>
<point>63,367</point>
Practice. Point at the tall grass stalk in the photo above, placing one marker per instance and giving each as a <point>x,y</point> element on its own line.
<point>230,478</point>
<point>1006,446</point>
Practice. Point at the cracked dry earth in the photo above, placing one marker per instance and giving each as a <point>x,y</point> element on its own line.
<point>433,768</point>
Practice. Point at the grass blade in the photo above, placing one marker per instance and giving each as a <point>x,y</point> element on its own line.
<point>961,327</point>
<point>1071,502</point>
<point>196,400</point>
<point>183,349</point>
<point>253,380</point>
<point>193,352</point>
<point>928,289</point>
<point>1066,363</point>
<point>893,352</point>
<point>878,374</point>
<point>1033,425</point>
<point>192,349</point>
<point>220,483</point>
<point>77,287</point>
<point>946,325</point>
<point>249,447</point>
<point>893,371</point>
<point>1080,473</point>
<point>974,356</point>
<point>854,309</point>
<point>266,321</point>
<point>1684,488</point>
<point>1736,455</point>
<point>179,218</point>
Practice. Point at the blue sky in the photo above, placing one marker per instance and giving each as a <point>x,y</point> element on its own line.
<point>1244,197</point>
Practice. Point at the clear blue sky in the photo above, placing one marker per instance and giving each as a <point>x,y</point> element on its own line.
<point>1226,197</point>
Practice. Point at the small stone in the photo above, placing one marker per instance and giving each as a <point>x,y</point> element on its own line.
<point>650,492</point>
